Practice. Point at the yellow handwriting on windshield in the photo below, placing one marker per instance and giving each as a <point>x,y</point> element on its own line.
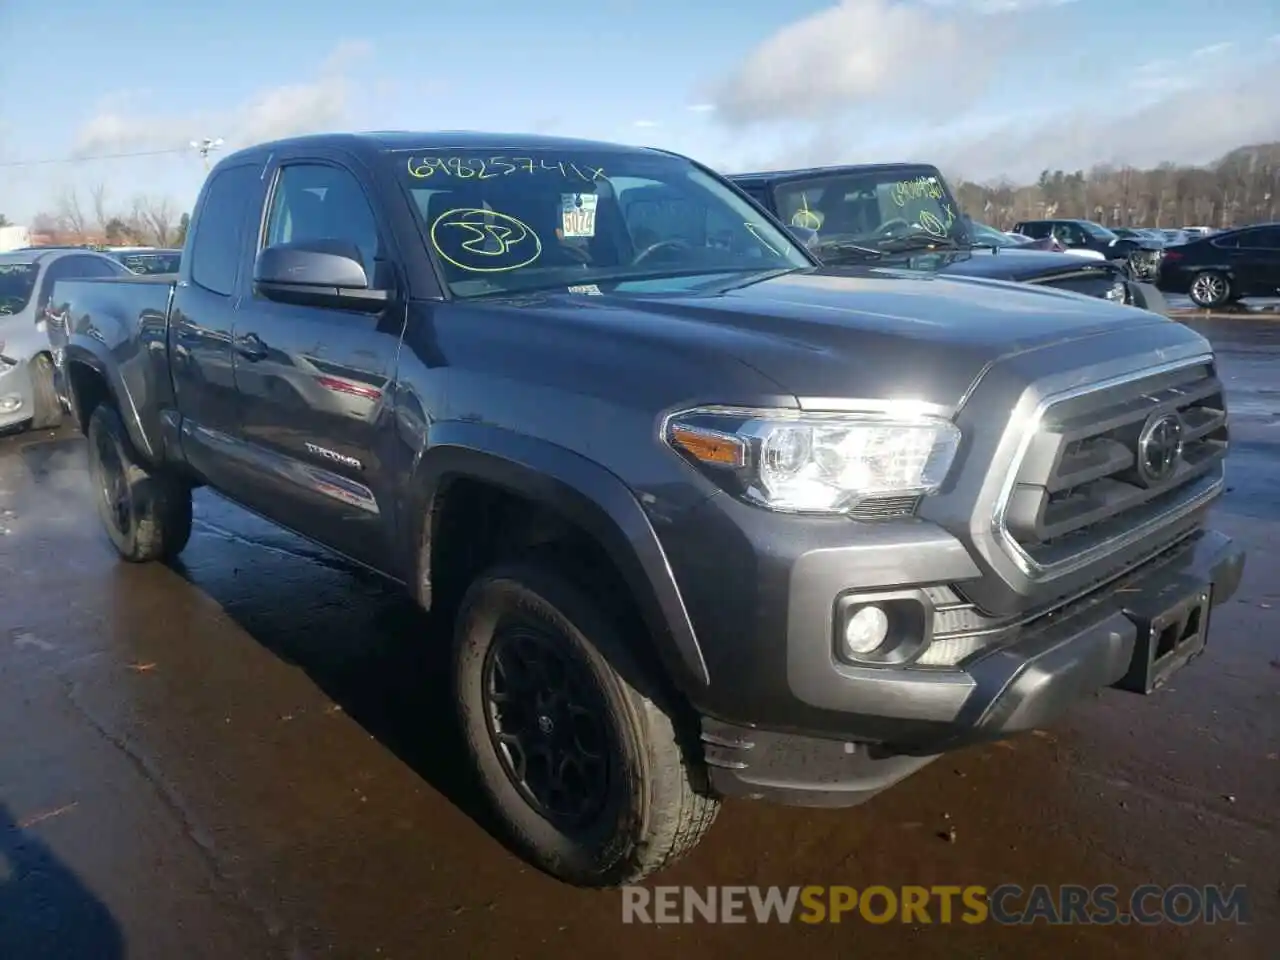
<point>931,225</point>
<point>473,239</point>
<point>921,188</point>
<point>804,217</point>
<point>486,168</point>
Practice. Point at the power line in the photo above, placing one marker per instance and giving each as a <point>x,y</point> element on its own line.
<point>96,156</point>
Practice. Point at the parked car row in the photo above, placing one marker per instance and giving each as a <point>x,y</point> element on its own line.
<point>710,517</point>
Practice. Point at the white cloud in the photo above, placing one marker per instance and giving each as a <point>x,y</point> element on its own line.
<point>1212,50</point>
<point>701,108</point>
<point>860,51</point>
<point>991,7</point>
<point>645,124</point>
<point>877,80</point>
<point>295,108</point>
<point>1191,124</point>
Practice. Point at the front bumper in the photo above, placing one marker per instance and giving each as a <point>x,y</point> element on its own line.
<point>789,722</point>
<point>17,398</point>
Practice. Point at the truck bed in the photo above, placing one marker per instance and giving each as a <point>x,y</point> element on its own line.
<point>109,310</point>
<point>118,323</point>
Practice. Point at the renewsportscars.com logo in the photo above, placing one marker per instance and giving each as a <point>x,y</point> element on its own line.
<point>1008,904</point>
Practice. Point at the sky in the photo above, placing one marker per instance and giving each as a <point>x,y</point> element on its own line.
<point>984,88</point>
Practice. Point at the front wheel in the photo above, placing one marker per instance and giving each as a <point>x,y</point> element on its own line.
<point>146,512</point>
<point>588,775</point>
<point>1210,289</point>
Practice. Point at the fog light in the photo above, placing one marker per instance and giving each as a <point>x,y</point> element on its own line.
<point>865,631</point>
<point>10,403</point>
<point>881,629</point>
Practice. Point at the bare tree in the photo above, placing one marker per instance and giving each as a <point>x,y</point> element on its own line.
<point>44,223</point>
<point>153,220</point>
<point>101,214</point>
<point>70,214</point>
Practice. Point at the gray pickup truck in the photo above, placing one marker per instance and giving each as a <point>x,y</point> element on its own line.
<point>708,518</point>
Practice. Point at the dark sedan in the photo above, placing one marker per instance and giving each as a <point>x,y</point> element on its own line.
<point>1225,267</point>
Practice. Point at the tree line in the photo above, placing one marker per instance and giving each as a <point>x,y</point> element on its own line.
<point>145,222</point>
<point>1241,188</point>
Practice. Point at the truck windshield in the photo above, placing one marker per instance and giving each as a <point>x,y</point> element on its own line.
<point>545,220</point>
<point>17,283</point>
<point>872,208</point>
<point>1097,231</point>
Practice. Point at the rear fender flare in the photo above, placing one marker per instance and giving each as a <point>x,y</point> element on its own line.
<point>95,358</point>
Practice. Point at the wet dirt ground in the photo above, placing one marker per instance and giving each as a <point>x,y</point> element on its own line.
<point>251,756</point>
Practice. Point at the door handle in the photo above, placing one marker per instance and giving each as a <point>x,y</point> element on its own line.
<point>251,347</point>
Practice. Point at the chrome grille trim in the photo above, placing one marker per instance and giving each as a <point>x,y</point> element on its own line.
<point>1028,565</point>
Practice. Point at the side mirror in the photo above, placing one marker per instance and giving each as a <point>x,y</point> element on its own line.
<point>316,273</point>
<point>807,236</point>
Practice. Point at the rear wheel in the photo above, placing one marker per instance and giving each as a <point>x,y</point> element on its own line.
<point>47,412</point>
<point>583,764</point>
<point>146,512</point>
<point>1209,289</point>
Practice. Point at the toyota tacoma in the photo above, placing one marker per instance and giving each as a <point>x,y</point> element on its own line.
<point>708,519</point>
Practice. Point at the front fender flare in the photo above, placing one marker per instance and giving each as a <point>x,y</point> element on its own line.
<point>583,492</point>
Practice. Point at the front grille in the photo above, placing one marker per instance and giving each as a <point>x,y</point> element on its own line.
<point>1094,469</point>
<point>885,508</point>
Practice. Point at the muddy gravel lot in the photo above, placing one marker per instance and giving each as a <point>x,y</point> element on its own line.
<point>251,755</point>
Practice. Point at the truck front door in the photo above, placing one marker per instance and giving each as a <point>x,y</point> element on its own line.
<point>314,383</point>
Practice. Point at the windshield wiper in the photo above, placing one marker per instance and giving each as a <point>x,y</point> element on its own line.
<point>846,247</point>
<point>919,241</point>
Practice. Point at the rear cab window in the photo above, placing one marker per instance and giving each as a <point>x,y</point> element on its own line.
<point>218,238</point>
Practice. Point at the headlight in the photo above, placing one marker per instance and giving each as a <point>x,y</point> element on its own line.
<point>824,463</point>
<point>1118,292</point>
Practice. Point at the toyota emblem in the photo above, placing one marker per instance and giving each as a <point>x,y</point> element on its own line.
<point>1160,448</point>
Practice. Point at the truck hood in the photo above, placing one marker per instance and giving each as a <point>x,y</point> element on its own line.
<point>854,332</point>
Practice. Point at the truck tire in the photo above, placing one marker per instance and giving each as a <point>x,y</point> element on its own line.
<point>586,771</point>
<point>47,409</point>
<point>146,512</point>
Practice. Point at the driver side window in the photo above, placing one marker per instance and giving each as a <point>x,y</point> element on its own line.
<point>1071,235</point>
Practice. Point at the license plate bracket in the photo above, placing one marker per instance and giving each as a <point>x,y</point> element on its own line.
<point>1171,632</point>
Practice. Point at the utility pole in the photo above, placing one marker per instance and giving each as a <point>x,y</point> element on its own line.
<point>205,147</point>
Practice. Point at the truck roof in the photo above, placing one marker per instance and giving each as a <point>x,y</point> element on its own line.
<point>809,173</point>
<point>388,141</point>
